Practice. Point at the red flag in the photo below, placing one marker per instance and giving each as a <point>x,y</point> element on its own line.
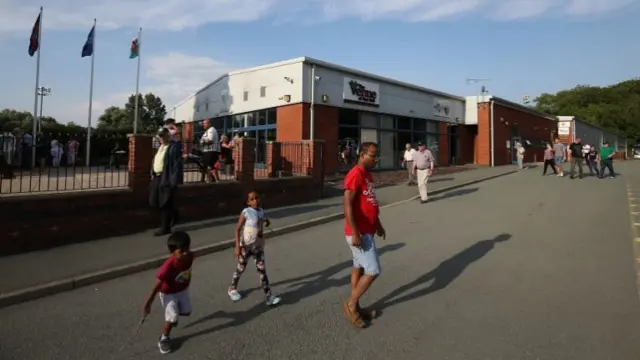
<point>34,41</point>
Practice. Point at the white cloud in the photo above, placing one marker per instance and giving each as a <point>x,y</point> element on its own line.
<point>174,15</point>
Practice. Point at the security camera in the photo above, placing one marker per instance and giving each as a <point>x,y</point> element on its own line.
<point>318,78</point>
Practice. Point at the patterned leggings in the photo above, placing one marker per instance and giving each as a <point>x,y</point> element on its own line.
<point>243,259</point>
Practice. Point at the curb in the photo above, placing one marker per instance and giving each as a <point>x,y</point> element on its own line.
<point>55,287</point>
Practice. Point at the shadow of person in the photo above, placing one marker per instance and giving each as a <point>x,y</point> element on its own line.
<point>304,286</point>
<point>443,275</point>
<point>452,194</point>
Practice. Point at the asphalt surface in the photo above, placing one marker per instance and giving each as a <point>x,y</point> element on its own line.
<point>83,258</point>
<point>521,267</point>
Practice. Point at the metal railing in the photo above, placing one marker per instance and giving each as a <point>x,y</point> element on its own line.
<point>60,162</point>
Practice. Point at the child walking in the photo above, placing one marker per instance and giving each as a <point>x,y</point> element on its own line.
<point>172,286</point>
<point>250,243</point>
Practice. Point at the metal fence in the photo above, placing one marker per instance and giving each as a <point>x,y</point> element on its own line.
<point>60,162</point>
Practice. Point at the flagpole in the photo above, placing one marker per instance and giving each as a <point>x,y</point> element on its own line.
<point>93,57</point>
<point>35,101</point>
<point>135,115</point>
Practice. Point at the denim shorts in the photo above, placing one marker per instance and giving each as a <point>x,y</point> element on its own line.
<point>558,160</point>
<point>366,257</point>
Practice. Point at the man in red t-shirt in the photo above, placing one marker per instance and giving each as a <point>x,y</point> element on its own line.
<point>362,221</point>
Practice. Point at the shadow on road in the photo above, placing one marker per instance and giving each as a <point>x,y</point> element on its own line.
<point>304,286</point>
<point>453,193</point>
<point>273,214</point>
<point>440,179</point>
<point>441,276</point>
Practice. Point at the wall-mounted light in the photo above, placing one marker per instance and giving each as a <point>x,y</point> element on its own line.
<point>325,98</point>
<point>288,79</point>
<point>286,98</point>
<point>501,119</point>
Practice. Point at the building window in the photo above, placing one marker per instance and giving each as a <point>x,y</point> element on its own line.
<point>218,124</point>
<point>238,121</point>
<point>386,122</point>
<point>206,106</point>
<point>369,120</point>
<point>250,119</point>
<point>245,95</point>
<point>404,123</point>
<point>262,117</point>
<point>263,91</point>
<point>348,117</point>
<point>197,108</point>
<point>272,116</point>
<point>419,125</point>
<point>432,127</point>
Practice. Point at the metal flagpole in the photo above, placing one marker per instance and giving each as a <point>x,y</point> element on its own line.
<point>93,57</point>
<point>136,112</point>
<point>35,101</point>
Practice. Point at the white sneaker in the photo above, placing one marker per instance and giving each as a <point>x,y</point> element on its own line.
<point>234,295</point>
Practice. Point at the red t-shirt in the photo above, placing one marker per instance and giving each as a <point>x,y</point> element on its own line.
<point>365,209</point>
<point>175,275</point>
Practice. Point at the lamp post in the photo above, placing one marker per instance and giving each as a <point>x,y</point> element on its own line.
<point>42,92</point>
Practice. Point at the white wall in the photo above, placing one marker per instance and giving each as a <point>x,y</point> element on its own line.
<point>471,110</point>
<point>393,99</point>
<point>226,95</point>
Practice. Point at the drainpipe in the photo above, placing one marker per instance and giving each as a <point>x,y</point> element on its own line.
<point>493,163</point>
<point>313,100</point>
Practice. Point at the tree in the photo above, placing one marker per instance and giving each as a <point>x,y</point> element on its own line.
<point>115,118</point>
<point>11,119</point>
<point>151,112</point>
<point>615,108</point>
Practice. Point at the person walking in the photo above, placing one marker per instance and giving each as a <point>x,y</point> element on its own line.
<point>167,174</point>
<point>423,162</point>
<point>576,158</point>
<point>593,161</point>
<point>520,155</point>
<point>407,162</point>
<point>560,154</point>
<point>607,152</point>
<point>362,222</point>
<point>548,160</point>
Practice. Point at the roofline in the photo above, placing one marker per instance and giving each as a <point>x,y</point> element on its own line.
<point>325,64</point>
<point>511,104</point>
<point>312,61</point>
<point>573,118</point>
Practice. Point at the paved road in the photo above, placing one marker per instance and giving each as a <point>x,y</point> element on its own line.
<point>521,267</point>
<point>98,255</point>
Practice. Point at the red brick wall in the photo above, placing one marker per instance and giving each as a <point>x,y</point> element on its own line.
<point>34,222</point>
<point>467,143</point>
<point>528,126</point>
<point>289,123</point>
<point>443,144</point>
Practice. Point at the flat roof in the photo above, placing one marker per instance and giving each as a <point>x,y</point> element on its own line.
<point>312,61</point>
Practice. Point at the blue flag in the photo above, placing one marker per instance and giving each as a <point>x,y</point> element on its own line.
<point>87,49</point>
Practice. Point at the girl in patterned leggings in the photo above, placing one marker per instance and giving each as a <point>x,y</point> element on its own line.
<point>250,243</point>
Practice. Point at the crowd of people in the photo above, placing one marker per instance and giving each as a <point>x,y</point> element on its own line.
<point>578,155</point>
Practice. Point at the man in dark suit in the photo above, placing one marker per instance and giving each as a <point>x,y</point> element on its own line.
<point>167,172</point>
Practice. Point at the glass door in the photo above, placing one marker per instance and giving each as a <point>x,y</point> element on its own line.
<point>386,151</point>
<point>514,153</point>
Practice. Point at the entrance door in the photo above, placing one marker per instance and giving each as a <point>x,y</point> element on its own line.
<point>514,141</point>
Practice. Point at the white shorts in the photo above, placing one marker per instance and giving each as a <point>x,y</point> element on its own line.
<point>175,305</point>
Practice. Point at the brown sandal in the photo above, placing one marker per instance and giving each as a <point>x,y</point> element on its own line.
<point>354,319</point>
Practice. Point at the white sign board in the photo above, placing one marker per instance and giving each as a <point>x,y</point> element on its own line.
<point>361,92</point>
<point>564,127</point>
<point>441,108</point>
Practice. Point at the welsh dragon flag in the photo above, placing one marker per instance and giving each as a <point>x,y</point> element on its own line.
<point>135,49</point>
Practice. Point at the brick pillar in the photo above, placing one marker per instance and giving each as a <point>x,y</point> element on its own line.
<point>312,154</point>
<point>244,158</point>
<point>140,158</point>
<point>273,158</point>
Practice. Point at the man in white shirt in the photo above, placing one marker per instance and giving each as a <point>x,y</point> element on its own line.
<point>407,162</point>
<point>211,149</point>
<point>423,162</point>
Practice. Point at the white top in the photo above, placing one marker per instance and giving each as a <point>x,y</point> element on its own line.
<point>252,225</point>
<point>212,135</point>
<point>408,154</point>
<point>586,149</point>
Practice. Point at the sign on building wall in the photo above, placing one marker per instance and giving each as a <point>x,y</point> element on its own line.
<point>564,127</point>
<point>361,92</point>
<point>442,108</point>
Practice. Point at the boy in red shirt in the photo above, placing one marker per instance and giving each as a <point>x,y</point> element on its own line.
<point>172,286</point>
<point>362,221</point>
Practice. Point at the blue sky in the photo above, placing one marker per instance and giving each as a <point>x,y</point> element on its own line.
<point>524,47</point>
